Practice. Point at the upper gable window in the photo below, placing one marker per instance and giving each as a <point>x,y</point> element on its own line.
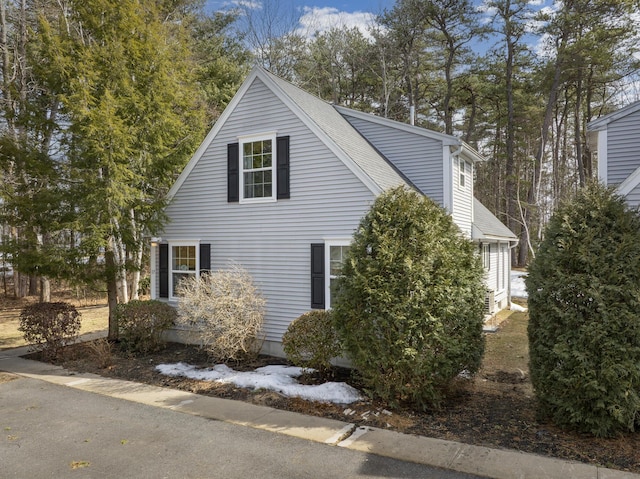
<point>257,175</point>
<point>463,173</point>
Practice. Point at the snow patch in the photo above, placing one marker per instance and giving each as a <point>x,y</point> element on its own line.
<point>274,378</point>
<point>518,288</point>
<point>517,308</point>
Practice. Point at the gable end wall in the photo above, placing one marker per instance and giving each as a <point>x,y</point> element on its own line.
<point>271,240</point>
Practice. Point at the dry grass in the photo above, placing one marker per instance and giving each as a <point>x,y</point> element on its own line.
<point>506,357</point>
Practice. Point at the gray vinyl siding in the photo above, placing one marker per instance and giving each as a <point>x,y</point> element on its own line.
<point>271,240</point>
<point>623,148</point>
<point>462,212</point>
<point>417,157</point>
<point>633,198</point>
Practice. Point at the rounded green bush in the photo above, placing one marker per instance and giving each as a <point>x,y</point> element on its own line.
<point>141,324</point>
<point>409,304</point>
<point>311,341</point>
<point>50,326</point>
<point>584,329</point>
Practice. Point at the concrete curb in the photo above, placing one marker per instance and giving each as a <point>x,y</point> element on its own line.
<point>483,461</point>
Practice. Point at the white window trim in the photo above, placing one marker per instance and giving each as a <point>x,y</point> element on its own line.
<point>196,244</point>
<point>486,256</point>
<point>462,174</point>
<point>328,243</point>
<point>271,135</point>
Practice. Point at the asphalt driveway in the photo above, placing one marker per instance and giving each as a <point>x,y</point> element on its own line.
<point>53,431</point>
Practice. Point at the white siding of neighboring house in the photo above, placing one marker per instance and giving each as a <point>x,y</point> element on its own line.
<point>623,148</point>
<point>271,240</point>
<point>462,210</point>
<point>417,157</point>
<point>499,268</point>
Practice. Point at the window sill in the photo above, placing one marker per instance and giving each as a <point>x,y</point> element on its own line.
<point>250,201</point>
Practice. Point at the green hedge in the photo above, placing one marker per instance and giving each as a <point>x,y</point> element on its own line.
<point>409,306</point>
<point>584,306</point>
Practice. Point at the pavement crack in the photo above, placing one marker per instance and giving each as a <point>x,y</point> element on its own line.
<point>353,437</point>
<point>341,435</point>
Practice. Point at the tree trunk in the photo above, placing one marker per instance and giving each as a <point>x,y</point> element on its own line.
<point>112,294</point>
<point>33,285</point>
<point>45,290</point>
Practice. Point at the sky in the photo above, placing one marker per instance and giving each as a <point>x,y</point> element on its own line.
<point>321,15</point>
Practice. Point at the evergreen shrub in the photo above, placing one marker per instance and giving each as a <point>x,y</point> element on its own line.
<point>142,323</point>
<point>48,327</point>
<point>584,302</point>
<point>311,341</point>
<point>409,305</point>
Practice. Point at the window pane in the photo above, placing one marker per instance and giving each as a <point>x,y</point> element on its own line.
<point>337,255</point>
<point>177,278</point>
<point>257,164</point>
<point>183,258</point>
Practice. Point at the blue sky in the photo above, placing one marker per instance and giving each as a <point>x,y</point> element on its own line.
<point>321,15</point>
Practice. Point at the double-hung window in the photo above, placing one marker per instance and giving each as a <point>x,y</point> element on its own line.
<point>486,256</point>
<point>335,254</point>
<point>462,166</point>
<point>184,264</point>
<point>257,175</point>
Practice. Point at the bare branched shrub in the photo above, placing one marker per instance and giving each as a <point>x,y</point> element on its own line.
<point>50,326</point>
<point>102,352</point>
<point>226,310</point>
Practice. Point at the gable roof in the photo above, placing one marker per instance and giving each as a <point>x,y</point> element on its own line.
<point>602,122</point>
<point>322,118</point>
<point>487,226</point>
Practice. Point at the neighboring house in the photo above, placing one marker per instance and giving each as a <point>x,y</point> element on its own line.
<point>280,184</point>
<point>615,141</point>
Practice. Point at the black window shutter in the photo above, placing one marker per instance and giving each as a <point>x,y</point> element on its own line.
<point>317,276</point>
<point>282,163</point>
<point>205,258</point>
<point>233,172</point>
<point>163,270</point>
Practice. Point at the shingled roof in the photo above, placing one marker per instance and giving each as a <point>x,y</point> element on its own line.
<point>487,226</point>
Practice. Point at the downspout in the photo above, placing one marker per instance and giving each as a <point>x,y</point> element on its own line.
<point>511,246</point>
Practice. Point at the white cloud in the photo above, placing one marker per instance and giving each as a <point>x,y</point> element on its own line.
<point>248,4</point>
<point>322,19</point>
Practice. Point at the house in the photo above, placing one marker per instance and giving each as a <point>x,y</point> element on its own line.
<point>281,182</point>
<point>615,142</point>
